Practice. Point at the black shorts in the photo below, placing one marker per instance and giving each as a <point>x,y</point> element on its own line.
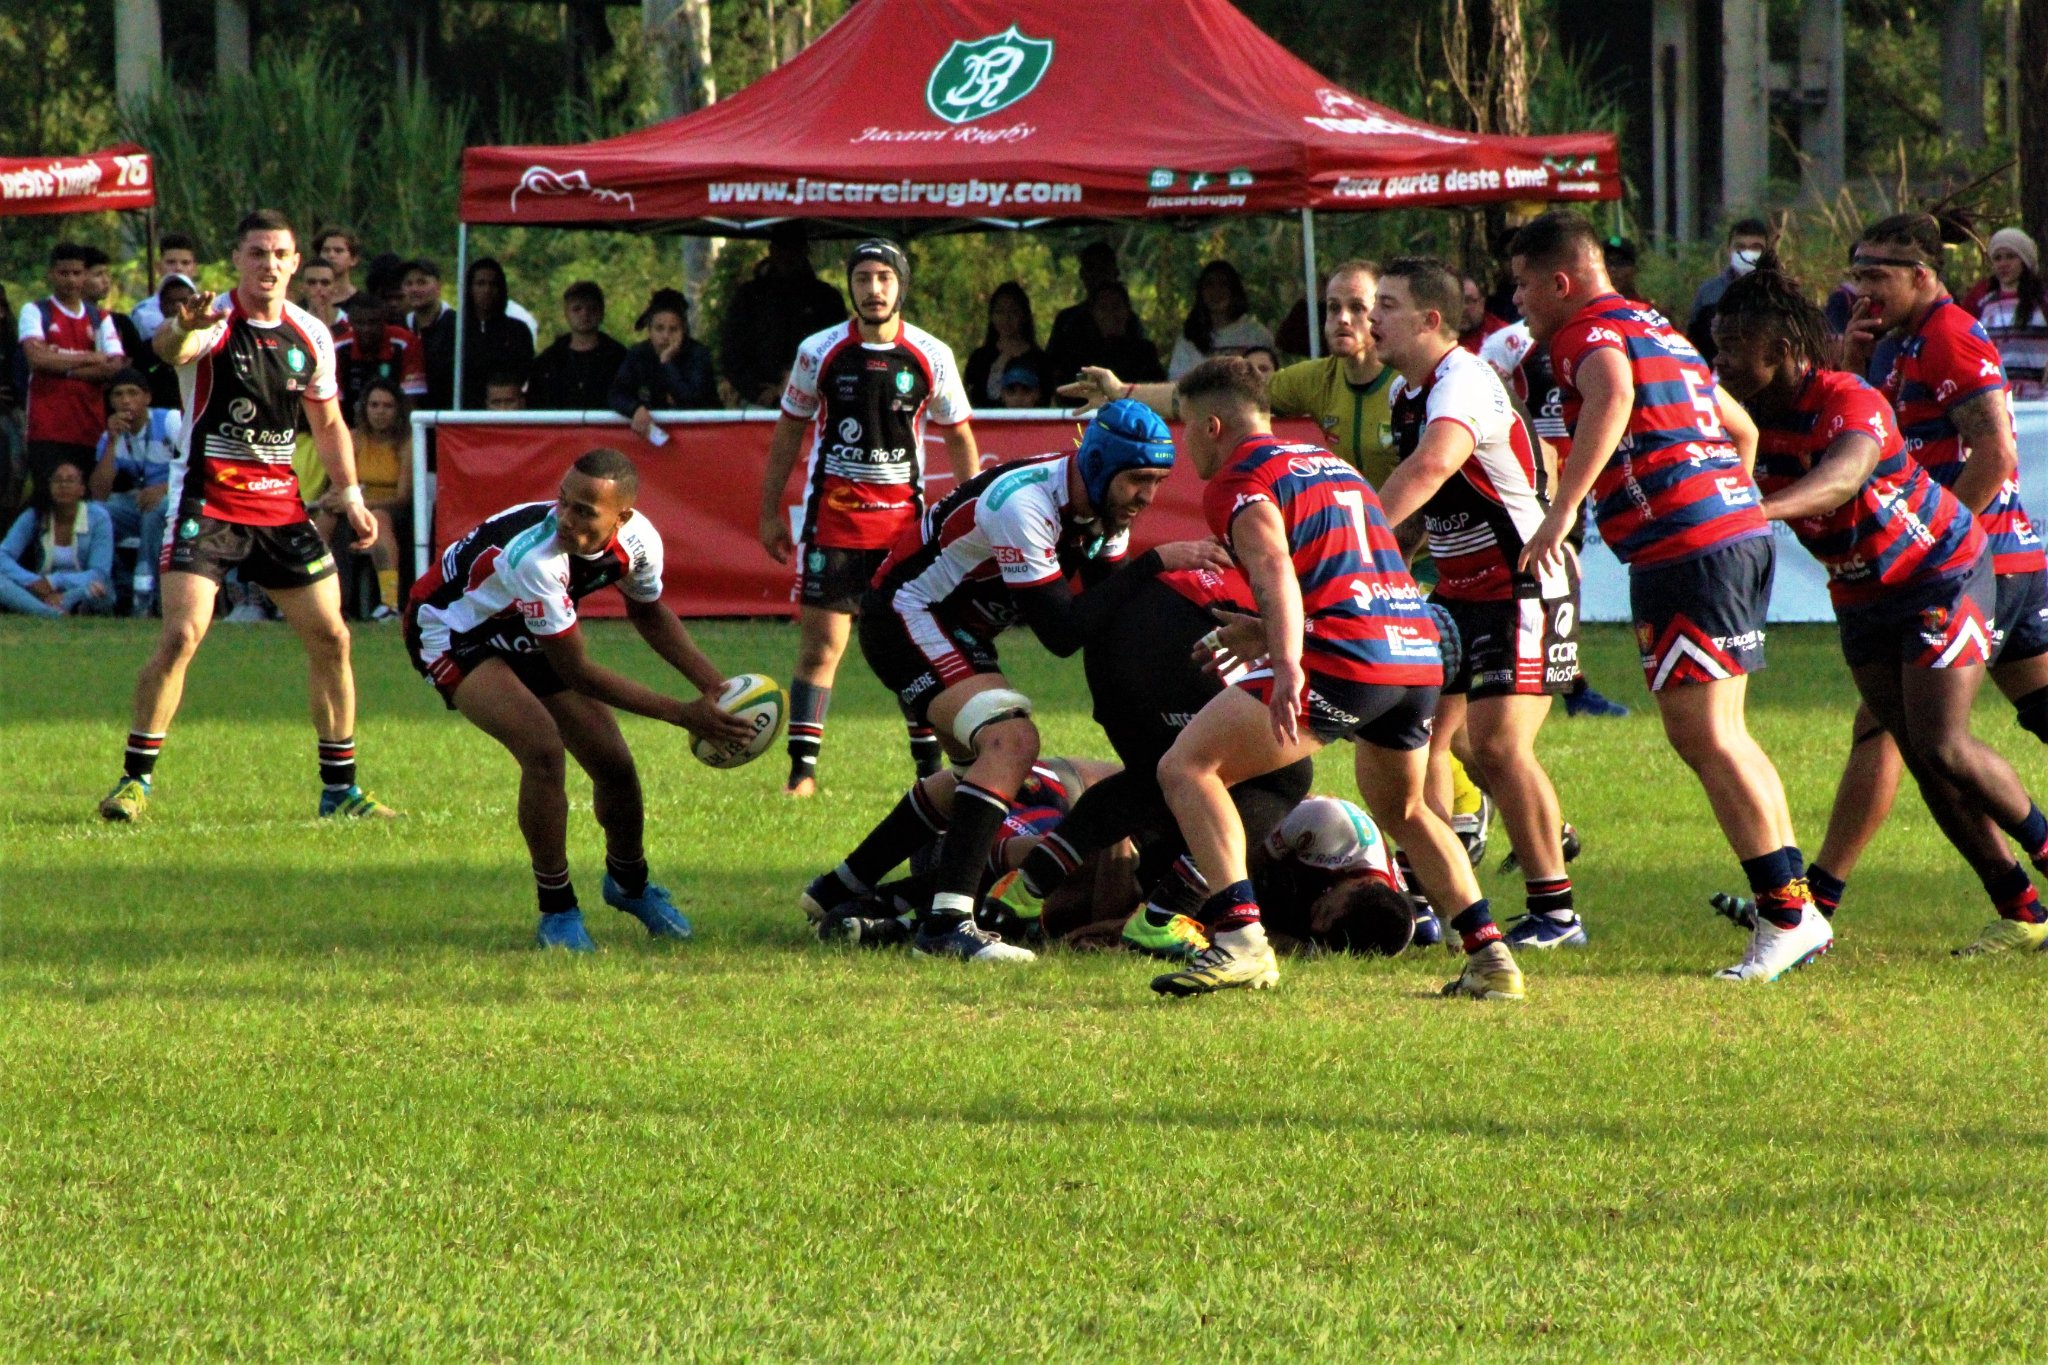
<point>1379,714</point>
<point>918,666</point>
<point>2020,619</point>
<point>1142,680</point>
<point>462,655</point>
<point>1703,620</point>
<point>1525,647</point>
<point>1943,624</point>
<point>290,556</point>
<point>834,579</point>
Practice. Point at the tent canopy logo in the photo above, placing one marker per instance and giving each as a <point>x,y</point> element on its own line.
<point>974,80</point>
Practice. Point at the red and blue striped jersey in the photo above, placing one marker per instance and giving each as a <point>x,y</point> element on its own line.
<point>1675,488</point>
<point>1947,361</point>
<point>1364,618</point>
<point>1900,528</point>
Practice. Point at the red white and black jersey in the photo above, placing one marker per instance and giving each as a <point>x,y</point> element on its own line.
<point>242,399</point>
<point>869,402</point>
<point>61,408</point>
<point>1525,368</point>
<point>1480,517</point>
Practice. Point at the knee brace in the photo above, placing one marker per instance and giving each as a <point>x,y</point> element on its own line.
<point>2032,712</point>
<point>984,709</point>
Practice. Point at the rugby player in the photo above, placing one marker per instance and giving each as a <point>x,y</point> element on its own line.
<point>1943,377</point>
<point>248,370</point>
<point>1912,585</point>
<point>492,625</point>
<point>1667,456</point>
<point>996,551</point>
<point>1473,470</point>
<point>1350,652</point>
<point>863,391</point>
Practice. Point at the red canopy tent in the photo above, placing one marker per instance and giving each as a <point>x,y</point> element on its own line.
<point>966,114</point>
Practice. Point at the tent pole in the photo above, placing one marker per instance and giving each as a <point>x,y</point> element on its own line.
<point>461,288</point>
<point>1308,275</point>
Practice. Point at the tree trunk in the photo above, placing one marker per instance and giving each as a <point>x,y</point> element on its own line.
<point>679,31</point>
<point>2033,115</point>
<point>1507,57</point>
<point>138,47</point>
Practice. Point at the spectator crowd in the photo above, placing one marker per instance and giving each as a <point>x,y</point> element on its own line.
<point>90,416</point>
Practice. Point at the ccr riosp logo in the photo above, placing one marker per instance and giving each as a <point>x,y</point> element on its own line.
<point>974,80</point>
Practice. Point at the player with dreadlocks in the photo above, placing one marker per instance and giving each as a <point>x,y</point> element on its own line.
<point>1908,570</point>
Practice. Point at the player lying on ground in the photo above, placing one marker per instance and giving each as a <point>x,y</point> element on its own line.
<point>1350,652</point>
<point>1666,456</point>
<point>1942,376</point>
<point>493,626</point>
<point>1471,468</point>
<point>1909,571</point>
<point>248,373</point>
<point>998,550</point>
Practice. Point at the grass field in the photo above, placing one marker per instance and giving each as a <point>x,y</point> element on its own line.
<point>272,1088</point>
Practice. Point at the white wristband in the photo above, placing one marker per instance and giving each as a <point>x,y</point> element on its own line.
<point>353,495</point>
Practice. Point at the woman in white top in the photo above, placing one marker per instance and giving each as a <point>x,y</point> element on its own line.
<point>1220,323</point>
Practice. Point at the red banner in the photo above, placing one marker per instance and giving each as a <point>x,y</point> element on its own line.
<point>118,178</point>
<point>703,492</point>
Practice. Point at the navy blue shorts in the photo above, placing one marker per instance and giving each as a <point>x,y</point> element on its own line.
<point>1703,620</point>
<point>835,579</point>
<point>2019,622</point>
<point>1381,715</point>
<point>1943,624</point>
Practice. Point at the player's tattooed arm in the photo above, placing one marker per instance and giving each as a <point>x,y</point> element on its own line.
<point>1984,424</point>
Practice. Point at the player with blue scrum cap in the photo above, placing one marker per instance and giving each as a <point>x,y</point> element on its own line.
<point>998,551</point>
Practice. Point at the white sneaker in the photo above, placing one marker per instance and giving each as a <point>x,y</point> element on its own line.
<point>1774,951</point>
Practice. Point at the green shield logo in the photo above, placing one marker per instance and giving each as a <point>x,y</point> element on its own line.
<point>974,80</point>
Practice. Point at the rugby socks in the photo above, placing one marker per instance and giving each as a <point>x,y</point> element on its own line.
<point>1181,886</point>
<point>1550,897</point>
<point>387,588</point>
<point>555,890</point>
<point>978,813</point>
<point>1474,925</point>
<point>808,704</point>
<point>1233,908</point>
<point>1112,810</point>
<point>1776,881</point>
<point>1412,882</point>
<point>913,823</point>
<point>338,764</point>
<point>629,873</point>
<point>1827,889</point>
<point>2031,834</point>
<point>140,760</point>
<point>924,749</point>
<point>2013,893</point>
<point>1045,869</point>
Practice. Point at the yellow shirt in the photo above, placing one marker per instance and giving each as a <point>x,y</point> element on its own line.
<point>1357,423</point>
<point>377,464</point>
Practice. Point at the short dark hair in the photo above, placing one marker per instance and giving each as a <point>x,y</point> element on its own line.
<point>505,379</point>
<point>664,301</point>
<point>584,291</point>
<point>177,241</point>
<point>1748,227</point>
<point>69,251</point>
<point>347,234</point>
<point>1097,250</point>
<point>1919,231</point>
<point>94,258</point>
<point>1431,284</point>
<point>1375,919</point>
<point>1553,239</point>
<point>128,377</point>
<point>267,220</point>
<point>606,463</point>
<point>421,265</point>
<point>1619,251</point>
<point>1228,380</point>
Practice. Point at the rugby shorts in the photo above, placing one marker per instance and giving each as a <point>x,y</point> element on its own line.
<point>835,579</point>
<point>1702,620</point>
<point>276,557</point>
<point>1942,624</point>
<point>918,654</point>
<point>2020,618</point>
<point>1526,646</point>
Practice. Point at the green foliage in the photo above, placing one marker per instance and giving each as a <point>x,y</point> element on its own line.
<point>279,1090</point>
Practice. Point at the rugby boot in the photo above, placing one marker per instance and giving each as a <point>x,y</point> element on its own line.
<point>563,929</point>
<point>968,942</point>
<point>863,931</point>
<point>652,907</point>
<point>1235,959</point>
<point>2005,936</point>
<point>1490,974</point>
<point>1737,910</point>
<point>126,802</point>
<point>1541,931</point>
<point>1774,951</point>
<point>824,895</point>
<point>354,804</point>
<point>1429,930</point>
<point>1569,838</point>
<point>1177,940</point>
<point>1587,702</point>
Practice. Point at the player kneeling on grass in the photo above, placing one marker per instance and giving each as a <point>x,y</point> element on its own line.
<point>1471,467</point>
<point>1908,569</point>
<point>493,626</point>
<point>998,550</point>
<point>1350,649</point>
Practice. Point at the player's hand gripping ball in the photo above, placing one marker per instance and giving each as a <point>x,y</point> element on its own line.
<point>756,699</point>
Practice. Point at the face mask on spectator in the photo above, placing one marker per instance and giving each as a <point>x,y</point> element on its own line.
<point>1742,262</point>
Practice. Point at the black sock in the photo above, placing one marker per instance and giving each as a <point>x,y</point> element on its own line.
<point>925,751</point>
<point>1180,892</point>
<point>978,813</point>
<point>904,830</point>
<point>629,873</point>
<point>1551,896</point>
<point>1827,889</point>
<point>140,760</point>
<point>807,706</point>
<point>555,890</point>
<point>1114,809</point>
<point>338,764</point>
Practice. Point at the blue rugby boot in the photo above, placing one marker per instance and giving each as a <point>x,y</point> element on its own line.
<point>563,929</point>
<point>651,907</point>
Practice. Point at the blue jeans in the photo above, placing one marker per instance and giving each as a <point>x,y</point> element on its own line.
<point>15,598</point>
<point>147,527</point>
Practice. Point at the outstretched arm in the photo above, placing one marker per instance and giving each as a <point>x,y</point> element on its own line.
<point>572,662</point>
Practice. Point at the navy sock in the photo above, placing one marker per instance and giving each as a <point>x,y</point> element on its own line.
<point>1474,925</point>
<point>2031,834</point>
<point>1827,889</point>
<point>1236,906</point>
<point>1781,895</point>
<point>2012,891</point>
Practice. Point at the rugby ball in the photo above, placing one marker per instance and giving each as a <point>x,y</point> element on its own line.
<point>756,699</point>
